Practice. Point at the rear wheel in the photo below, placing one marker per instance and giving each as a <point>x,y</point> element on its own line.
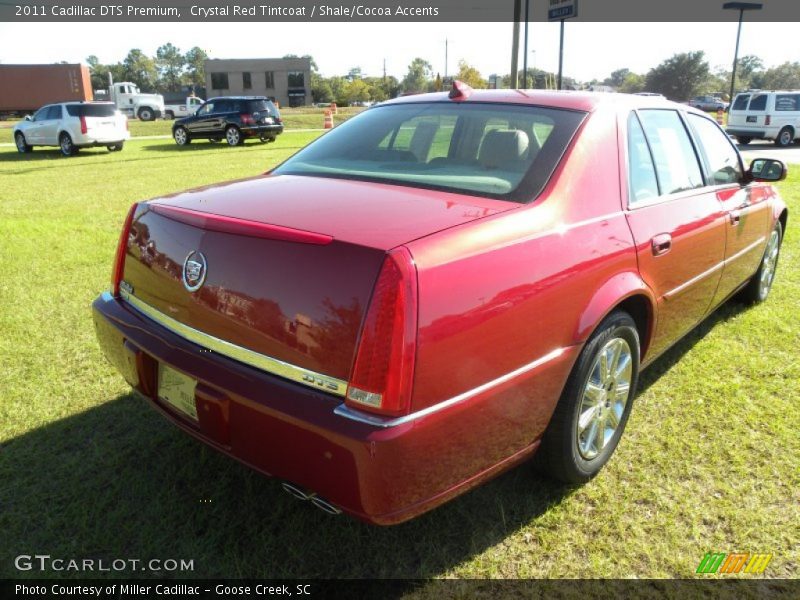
<point>743,139</point>
<point>594,407</point>
<point>169,115</point>
<point>66,145</point>
<point>233,136</point>
<point>785,137</point>
<point>115,147</point>
<point>181,136</point>
<point>758,287</point>
<point>22,146</point>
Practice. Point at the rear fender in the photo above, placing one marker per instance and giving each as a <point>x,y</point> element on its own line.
<point>611,294</point>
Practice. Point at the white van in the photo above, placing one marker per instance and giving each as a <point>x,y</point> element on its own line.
<point>765,115</point>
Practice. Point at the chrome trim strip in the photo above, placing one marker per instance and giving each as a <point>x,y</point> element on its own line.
<point>364,417</point>
<point>747,249</point>
<point>716,267</point>
<point>306,377</point>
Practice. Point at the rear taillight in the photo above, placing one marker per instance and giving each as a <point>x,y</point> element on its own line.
<point>383,372</point>
<point>768,120</point>
<point>247,119</point>
<point>278,120</point>
<point>119,260</point>
<point>84,129</point>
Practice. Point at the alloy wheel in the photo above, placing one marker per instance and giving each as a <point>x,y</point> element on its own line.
<point>605,396</point>
<point>769,262</point>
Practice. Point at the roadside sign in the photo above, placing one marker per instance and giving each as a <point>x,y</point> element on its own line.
<point>562,9</point>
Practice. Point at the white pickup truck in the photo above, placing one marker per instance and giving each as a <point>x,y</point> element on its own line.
<point>183,110</point>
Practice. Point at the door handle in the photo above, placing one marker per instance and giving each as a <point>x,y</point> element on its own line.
<point>661,244</point>
<point>735,216</point>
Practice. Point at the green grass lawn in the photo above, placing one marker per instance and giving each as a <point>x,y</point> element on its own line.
<point>709,460</point>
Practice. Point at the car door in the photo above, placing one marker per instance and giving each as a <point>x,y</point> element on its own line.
<point>204,121</point>
<point>746,206</point>
<point>33,133</point>
<point>676,221</point>
<point>49,128</point>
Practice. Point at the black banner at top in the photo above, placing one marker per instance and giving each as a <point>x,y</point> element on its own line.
<point>393,10</point>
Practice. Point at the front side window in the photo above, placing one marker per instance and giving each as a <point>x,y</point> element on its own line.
<point>720,155</point>
<point>641,171</point>
<point>219,81</point>
<point>673,153</point>
<point>54,113</point>
<point>207,108</point>
<point>501,151</point>
<point>41,114</point>
<point>787,102</point>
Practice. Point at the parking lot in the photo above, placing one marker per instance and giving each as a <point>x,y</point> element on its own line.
<point>73,431</point>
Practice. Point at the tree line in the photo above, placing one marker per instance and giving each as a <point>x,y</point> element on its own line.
<point>679,77</point>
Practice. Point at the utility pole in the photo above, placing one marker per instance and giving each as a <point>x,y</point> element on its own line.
<point>445,57</point>
<point>561,55</point>
<point>384,70</point>
<point>525,48</point>
<point>515,46</point>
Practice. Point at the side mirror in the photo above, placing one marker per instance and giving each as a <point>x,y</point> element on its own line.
<point>28,118</point>
<point>767,169</point>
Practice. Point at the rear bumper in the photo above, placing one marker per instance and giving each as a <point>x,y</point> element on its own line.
<point>383,475</point>
<point>740,131</point>
<point>88,140</point>
<point>258,130</point>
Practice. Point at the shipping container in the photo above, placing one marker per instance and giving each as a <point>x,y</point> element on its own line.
<point>25,88</point>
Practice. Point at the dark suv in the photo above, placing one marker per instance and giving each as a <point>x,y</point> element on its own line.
<point>233,118</point>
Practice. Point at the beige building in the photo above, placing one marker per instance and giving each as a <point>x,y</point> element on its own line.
<point>287,80</point>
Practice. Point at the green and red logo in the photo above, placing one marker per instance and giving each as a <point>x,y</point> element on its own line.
<point>740,562</point>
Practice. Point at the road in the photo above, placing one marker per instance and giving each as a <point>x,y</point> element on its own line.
<point>764,149</point>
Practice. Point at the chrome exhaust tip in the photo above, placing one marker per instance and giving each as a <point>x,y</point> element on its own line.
<point>301,494</point>
<point>295,491</point>
<point>325,506</point>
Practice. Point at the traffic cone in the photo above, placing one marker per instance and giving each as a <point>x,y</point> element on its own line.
<point>334,110</point>
<point>328,120</point>
<point>720,115</point>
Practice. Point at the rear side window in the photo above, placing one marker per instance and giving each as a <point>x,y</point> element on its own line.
<point>741,102</point>
<point>91,110</point>
<point>675,159</point>
<point>787,102</point>
<point>641,172</point>
<point>759,102</point>
<point>720,155</point>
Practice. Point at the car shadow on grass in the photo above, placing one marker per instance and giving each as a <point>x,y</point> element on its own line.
<point>205,145</point>
<point>119,481</point>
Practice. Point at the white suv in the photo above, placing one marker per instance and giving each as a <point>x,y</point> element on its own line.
<point>73,125</point>
<point>762,115</point>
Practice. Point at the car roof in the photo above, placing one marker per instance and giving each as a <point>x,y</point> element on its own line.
<point>570,100</point>
<point>237,98</point>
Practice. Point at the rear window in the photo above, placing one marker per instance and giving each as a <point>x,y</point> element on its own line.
<point>262,106</point>
<point>741,102</point>
<point>496,150</point>
<point>91,110</point>
<point>759,102</point>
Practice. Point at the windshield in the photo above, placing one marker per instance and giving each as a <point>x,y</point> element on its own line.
<point>502,151</point>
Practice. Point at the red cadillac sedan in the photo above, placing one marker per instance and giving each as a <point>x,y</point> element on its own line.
<point>438,288</point>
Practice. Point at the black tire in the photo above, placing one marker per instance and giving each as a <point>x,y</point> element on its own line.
<point>116,147</point>
<point>758,288</point>
<point>169,115</point>
<point>65,145</point>
<point>233,136</point>
<point>743,139</point>
<point>22,145</point>
<point>146,114</point>
<point>181,136</point>
<point>785,137</point>
<point>561,454</point>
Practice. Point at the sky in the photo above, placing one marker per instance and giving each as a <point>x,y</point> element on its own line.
<point>591,50</point>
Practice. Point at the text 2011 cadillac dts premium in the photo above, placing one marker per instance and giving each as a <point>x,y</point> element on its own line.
<point>437,289</point>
